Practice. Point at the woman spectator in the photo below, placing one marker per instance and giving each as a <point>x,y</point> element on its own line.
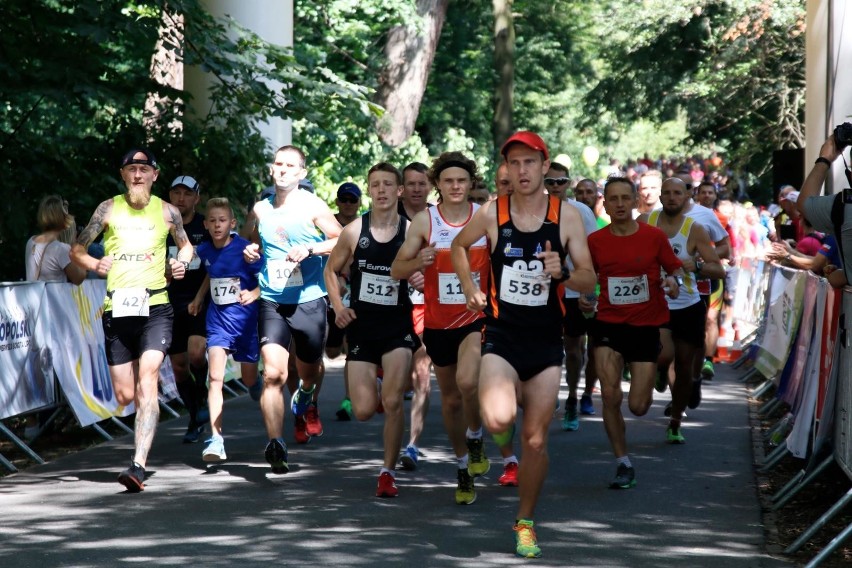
<point>47,254</point>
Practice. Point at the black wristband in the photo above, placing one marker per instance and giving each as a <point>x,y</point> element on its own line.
<point>566,274</point>
<point>822,160</point>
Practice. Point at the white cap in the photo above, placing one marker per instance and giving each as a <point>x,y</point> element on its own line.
<point>186,181</point>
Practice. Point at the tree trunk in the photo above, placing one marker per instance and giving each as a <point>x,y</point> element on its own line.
<point>504,64</point>
<point>409,53</point>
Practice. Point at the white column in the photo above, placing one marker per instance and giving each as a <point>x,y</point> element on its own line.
<point>272,20</point>
<point>828,78</point>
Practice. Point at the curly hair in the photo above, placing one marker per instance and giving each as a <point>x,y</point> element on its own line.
<point>453,160</point>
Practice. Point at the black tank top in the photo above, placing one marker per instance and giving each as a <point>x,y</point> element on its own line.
<point>182,292</point>
<point>520,292</point>
<point>373,290</point>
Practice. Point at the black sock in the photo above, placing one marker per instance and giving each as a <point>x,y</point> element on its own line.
<point>186,390</point>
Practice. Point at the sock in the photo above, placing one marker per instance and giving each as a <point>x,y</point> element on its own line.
<point>510,459</point>
<point>136,464</point>
<point>390,471</point>
<point>474,435</point>
<point>624,460</point>
<point>462,462</point>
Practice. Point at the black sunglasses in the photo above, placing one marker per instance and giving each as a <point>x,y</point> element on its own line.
<point>349,200</point>
<point>555,181</point>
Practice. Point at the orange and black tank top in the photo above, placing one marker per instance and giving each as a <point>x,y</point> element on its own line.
<point>521,293</point>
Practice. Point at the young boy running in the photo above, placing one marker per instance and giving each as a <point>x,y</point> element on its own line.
<point>232,314</point>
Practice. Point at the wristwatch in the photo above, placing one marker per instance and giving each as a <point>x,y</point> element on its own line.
<point>185,264</point>
<point>566,274</point>
<point>310,251</point>
<point>679,279</point>
<point>698,266</point>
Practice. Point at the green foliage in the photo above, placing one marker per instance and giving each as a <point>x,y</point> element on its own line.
<point>74,81</point>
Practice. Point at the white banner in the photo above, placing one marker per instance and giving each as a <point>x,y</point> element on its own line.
<point>26,365</point>
<point>77,339</point>
<point>782,321</point>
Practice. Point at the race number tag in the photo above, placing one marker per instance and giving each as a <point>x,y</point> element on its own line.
<point>416,296</point>
<point>194,264</point>
<point>524,287</point>
<point>632,290</point>
<point>129,302</point>
<point>450,289</point>
<point>225,291</point>
<point>284,274</point>
<point>379,289</point>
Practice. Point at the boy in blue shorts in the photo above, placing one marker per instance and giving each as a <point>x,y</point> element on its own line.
<point>231,315</point>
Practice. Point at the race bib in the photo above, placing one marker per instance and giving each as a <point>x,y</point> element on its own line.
<point>524,287</point>
<point>129,302</point>
<point>417,298</point>
<point>379,289</point>
<point>194,264</point>
<point>450,289</point>
<point>632,290</point>
<point>225,291</point>
<point>284,274</point>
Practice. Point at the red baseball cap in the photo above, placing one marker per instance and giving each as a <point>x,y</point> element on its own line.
<point>526,138</point>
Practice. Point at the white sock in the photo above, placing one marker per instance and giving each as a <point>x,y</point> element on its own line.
<point>623,460</point>
<point>471,435</point>
<point>462,461</point>
<point>510,459</point>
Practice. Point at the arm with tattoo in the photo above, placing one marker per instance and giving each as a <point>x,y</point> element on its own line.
<point>179,234</point>
<point>79,252</point>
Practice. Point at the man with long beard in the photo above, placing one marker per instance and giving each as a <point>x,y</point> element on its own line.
<point>137,317</point>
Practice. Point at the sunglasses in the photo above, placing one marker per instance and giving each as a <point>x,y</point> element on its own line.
<point>555,181</point>
<point>349,200</point>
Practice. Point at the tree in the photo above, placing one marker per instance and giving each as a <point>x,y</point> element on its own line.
<point>504,63</point>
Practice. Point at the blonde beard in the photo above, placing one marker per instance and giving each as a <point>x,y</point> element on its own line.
<point>138,198</point>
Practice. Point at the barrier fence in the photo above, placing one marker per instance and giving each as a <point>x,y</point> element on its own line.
<point>801,350</point>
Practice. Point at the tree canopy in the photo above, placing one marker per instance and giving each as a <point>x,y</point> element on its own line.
<point>673,77</point>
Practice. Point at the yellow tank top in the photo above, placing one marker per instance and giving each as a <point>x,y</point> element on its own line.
<point>136,239</point>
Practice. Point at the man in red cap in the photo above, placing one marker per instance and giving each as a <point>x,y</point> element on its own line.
<point>530,233</point>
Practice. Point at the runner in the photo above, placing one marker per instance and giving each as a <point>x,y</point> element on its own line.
<point>378,324</point>
<point>187,352</point>
<point>231,317</point>
<point>628,257</point>
<point>529,234</point>
<point>452,334</point>
<point>682,338</point>
<point>137,316</point>
<point>292,293</point>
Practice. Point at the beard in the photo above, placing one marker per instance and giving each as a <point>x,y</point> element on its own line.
<point>138,197</point>
<point>673,211</point>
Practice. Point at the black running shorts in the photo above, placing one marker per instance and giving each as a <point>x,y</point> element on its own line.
<point>636,343</point>
<point>442,345</point>
<point>687,324</point>
<point>127,338</point>
<point>528,350</point>
<point>304,324</point>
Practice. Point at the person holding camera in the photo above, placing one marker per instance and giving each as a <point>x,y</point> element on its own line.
<point>830,213</point>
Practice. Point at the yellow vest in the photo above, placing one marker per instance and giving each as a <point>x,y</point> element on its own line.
<point>136,239</point>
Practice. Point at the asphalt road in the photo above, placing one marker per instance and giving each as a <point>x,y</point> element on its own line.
<point>694,505</point>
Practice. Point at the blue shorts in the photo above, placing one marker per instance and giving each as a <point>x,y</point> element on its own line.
<point>243,347</point>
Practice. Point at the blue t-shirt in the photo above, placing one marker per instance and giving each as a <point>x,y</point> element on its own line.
<point>281,281</point>
<point>225,263</point>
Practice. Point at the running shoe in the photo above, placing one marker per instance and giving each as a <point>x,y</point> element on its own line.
<point>256,389</point>
<point>625,478</point>
<point>133,478</point>
<point>695,394</point>
<point>300,430</point>
<point>674,436</point>
<point>477,462</point>
<point>409,395</point>
<point>510,475</point>
<point>465,493</point>
<point>660,383</point>
<point>301,400</point>
<point>408,459</point>
<point>215,450</point>
<point>314,425</point>
<point>387,486</point>
<point>707,370</point>
<point>571,420</point>
<point>526,544</point>
<point>276,455</point>
<point>586,405</point>
<point>344,413</point>
<point>193,433</point>
<point>625,373</point>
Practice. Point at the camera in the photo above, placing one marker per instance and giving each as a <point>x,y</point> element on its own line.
<point>843,135</point>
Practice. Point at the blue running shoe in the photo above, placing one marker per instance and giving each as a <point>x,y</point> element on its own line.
<point>215,450</point>
<point>571,420</point>
<point>408,459</point>
<point>586,405</point>
<point>193,433</point>
<point>301,400</point>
